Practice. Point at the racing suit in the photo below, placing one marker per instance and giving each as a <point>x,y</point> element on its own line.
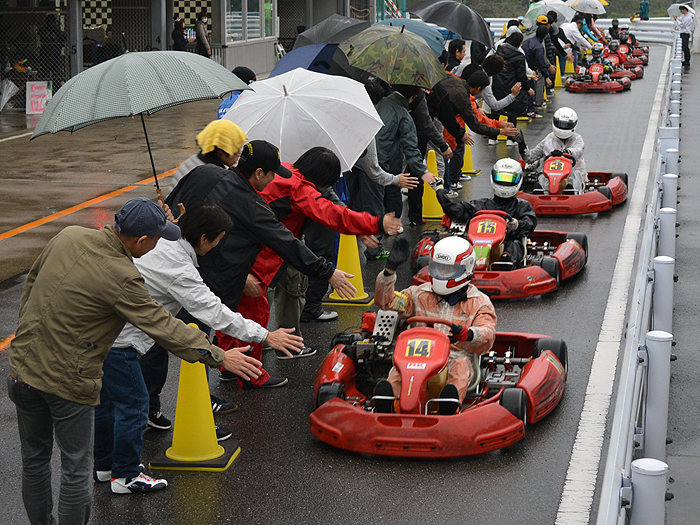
<point>517,208</point>
<point>574,144</point>
<point>474,311</point>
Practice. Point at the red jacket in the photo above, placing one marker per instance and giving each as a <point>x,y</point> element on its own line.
<point>295,200</point>
<point>479,116</point>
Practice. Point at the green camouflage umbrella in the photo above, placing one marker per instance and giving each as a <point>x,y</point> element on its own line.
<point>394,55</point>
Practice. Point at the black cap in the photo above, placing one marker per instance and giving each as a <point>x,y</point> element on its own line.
<point>261,154</point>
<point>246,74</point>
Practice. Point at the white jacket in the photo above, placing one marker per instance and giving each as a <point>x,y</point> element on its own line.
<point>172,279</point>
<point>574,35</point>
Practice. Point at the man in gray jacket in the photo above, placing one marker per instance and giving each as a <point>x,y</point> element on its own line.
<point>79,294</point>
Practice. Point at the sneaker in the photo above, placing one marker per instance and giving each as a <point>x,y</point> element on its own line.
<point>276,382</point>
<point>223,433</point>
<point>511,143</point>
<point>457,186</point>
<point>219,406</point>
<point>382,254</point>
<point>102,476</point>
<point>307,351</point>
<point>137,485</point>
<point>493,142</point>
<point>418,223</point>
<point>534,114</point>
<point>448,408</point>
<point>159,421</point>
<point>451,193</point>
<point>225,376</point>
<point>323,315</point>
<point>385,405</point>
<point>465,178</point>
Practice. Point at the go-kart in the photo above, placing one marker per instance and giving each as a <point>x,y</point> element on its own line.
<point>603,189</point>
<point>620,71</point>
<point>518,382</point>
<point>633,56</point>
<point>596,80</point>
<point>550,256</point>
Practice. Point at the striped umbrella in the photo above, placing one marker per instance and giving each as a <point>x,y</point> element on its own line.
<point>135,84</point>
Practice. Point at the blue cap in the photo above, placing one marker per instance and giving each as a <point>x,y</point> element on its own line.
<point>142,216</point>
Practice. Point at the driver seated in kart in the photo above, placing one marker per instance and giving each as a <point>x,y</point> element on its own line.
<point>449,296</point>
<point>597,57</point>
<point>506,179</point>
<point>563,140</point>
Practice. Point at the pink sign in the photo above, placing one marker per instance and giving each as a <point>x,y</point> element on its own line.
<point>38,94</point>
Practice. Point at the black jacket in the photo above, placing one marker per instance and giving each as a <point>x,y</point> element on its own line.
<point>440,106</point>
<point>225,268</point>
<point>517,208</point>
<point>459,96</point>
<point>513,72</point>
<point>425,128</point>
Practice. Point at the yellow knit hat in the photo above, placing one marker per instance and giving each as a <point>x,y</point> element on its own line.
<point>222,134</point>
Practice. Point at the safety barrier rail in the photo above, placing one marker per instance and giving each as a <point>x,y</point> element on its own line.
<point>634,479</point>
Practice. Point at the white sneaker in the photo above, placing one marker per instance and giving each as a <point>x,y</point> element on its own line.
<point>511,142</point>
<point>465,178</point>
<point>457,186</point>
<point>137,485</point>
<point>493,142</point>
<point>451,193</point>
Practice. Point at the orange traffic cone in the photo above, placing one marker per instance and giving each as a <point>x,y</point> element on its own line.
<point>194,434</point>
<point>431,206</point>
<point>349,261</point>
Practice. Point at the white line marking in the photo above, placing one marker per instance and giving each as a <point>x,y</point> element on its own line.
<point>579,487</point>
<point>17,136</point>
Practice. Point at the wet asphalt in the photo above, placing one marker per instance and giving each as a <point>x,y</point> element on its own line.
<point>283,474</point>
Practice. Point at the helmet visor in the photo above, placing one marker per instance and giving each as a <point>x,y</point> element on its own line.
<point>506,178</point>
<point>565,124</point>
<point>445,272</point>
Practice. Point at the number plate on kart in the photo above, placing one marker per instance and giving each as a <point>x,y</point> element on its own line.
<point>486,227</point>
<point>419,347</point>
<point>556,165</point>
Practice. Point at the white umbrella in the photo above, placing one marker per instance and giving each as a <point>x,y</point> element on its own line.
<point>301,109</point>
<point>594,7</point>
<point>674,10</point>
<point>564,12</point>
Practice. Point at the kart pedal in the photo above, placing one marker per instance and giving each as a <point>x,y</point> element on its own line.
<point>385,325</point>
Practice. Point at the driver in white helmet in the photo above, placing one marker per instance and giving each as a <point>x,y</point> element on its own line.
<point>562,140</point>
<point>506,179</point>
<point>449,296</point>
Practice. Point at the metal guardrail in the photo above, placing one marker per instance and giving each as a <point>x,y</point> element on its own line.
<point>634,479</point>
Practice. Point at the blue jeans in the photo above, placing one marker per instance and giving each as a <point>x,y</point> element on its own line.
<point>122,414</point>
<point>39,416</point>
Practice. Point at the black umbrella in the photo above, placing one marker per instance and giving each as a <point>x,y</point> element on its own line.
<point>333,30</point>
<point>456,17</point>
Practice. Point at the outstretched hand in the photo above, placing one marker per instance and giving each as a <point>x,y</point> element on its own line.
<point>400,253</point>
<point>236,362</point>
<point>283,339</point>
<point>341,284</point>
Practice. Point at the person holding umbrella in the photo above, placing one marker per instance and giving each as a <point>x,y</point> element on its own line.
<point>686,25</point>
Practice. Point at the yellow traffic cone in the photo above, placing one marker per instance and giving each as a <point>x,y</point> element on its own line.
<point>569,68</point>
<point>468,165</point>
<point>502,138</point>
<point>557,75</point>
<point>194,434</point>
<point>431,205</point>
<point>349,261</point>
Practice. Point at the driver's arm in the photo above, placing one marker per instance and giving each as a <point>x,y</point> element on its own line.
<point>387,299</point>
<point>483,327</point>
<point>537,153</point>
<point>576,149</point>
<point>527,219</point>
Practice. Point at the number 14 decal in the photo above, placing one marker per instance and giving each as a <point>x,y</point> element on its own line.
<point>419,347</point>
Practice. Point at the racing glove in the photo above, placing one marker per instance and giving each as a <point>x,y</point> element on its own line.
<point>439,184</point>
<point>556,153</point>
<point>462,333</point>
<point>512,224</point>
<point>570,157</point>
<point>400,253</point>
<point>519,139</point>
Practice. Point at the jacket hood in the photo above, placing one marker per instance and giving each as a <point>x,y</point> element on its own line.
<point>507,50</point>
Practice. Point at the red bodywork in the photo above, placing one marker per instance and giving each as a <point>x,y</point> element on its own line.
<point>633,57</point>
<point>634,73</point>
<point>593,82</point>
<point>590,201</point>
<point>516,283</point>
<point>483,427</point>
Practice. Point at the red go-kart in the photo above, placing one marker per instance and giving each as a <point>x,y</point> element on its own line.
<point>619,71</point>
<point>550,256</point>
<point>519,382</point>
<point>596,80</point>
<point>603,190</point>
<point>633,57</point>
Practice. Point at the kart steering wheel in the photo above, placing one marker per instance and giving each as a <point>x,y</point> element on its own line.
<point>565,155</point>
<point>434,320</point>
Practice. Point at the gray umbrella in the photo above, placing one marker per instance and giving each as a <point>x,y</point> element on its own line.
<point>135,84</point>
<point>333,30</point>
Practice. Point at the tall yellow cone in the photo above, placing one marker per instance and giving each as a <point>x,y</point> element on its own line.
<point>349,261</point>
<point>431,205</point>
<point>557,75</point>
<point>468,165</point>
<point>502,138</point>
<point>569,68</point>
<point>194,435</point>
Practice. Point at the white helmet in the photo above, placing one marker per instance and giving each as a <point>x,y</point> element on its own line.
<point>506,178</point>
<point>564,123</point>
<point>451,265</point>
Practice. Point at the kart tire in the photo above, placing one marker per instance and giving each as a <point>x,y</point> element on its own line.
<point>329,391</point>
<point>557,347</point>
<point>551,266</point>
<point>514,401</point>
<point>606,192</point>
<point>580,238</point>
<point>623,176</point>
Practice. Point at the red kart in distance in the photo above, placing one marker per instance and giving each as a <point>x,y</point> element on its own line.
<point>633,57</point>
<point>620,71</point>
<point>603,190</point>
<point>550,256</point>
<point>596,80</point>
<point>519,382</point>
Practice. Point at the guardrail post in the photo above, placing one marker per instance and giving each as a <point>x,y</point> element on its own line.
<point>649,497</point>
<point>663,293</point>
<point>675,120</point>
<point>671,158</point>
<point>675,107</point>
<point>676,85</point>
<point>658,384</point>
<point>667,232</point>
<point>670,194</point>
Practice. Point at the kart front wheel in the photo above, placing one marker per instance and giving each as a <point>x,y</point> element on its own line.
<point>514,401</point>
<point>330,391</point>
<point>622,176</point>
<point>580,238</point>
<point>557,347</point>
<point>551,266</point>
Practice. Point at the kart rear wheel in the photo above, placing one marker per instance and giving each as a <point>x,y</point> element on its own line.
<point>557,347</point>
<point>580,238</point>
<point>514,401</point>
<point>330,391</point>
<point>551,266</point>
<point>623,176</point>
<point>607,193</point>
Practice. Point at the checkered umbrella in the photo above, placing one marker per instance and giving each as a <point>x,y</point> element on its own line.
<point>135,84</point>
